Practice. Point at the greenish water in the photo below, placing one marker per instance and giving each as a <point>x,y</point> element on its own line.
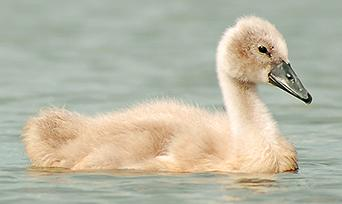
<point>97,56</point>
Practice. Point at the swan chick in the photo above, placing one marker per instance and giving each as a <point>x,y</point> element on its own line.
<point>168,135</point>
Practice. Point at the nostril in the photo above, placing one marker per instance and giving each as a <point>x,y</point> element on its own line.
<point>289,77</point>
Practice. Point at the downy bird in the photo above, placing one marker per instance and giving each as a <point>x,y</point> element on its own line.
<point>167,135</point>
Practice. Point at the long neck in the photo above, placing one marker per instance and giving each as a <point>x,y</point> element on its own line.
<point>254,136</point>
<point>248,116</point>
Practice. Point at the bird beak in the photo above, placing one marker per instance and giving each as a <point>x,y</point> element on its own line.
<point>285,78</point>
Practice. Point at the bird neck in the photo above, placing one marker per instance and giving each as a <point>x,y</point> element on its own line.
<point>247,114</point>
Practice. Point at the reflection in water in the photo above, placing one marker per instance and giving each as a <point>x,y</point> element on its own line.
<point>232,187</point>
<point>219,186</point>
<point>258,184</point>
<point>240,186</point>
<point>40,171</point>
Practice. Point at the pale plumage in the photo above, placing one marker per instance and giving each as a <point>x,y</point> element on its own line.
<point>171,136</point>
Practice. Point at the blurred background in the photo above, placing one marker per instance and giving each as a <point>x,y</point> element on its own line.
<point>98,56</point>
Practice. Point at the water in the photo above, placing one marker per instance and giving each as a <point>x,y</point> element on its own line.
<point>97,56</point>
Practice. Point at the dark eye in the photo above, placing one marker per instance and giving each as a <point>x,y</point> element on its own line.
<point>262,49</point>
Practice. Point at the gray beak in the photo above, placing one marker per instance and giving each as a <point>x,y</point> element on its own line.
<point>285,78</point>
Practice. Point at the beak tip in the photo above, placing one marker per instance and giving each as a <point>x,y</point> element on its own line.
<point>308,100</point>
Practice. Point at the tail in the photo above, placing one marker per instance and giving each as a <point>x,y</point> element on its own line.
<point>45,136</point>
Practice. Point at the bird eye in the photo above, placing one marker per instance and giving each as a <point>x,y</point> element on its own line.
<point>262,49</point>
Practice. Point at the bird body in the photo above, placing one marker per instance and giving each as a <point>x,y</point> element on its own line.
<point>167,135</point>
